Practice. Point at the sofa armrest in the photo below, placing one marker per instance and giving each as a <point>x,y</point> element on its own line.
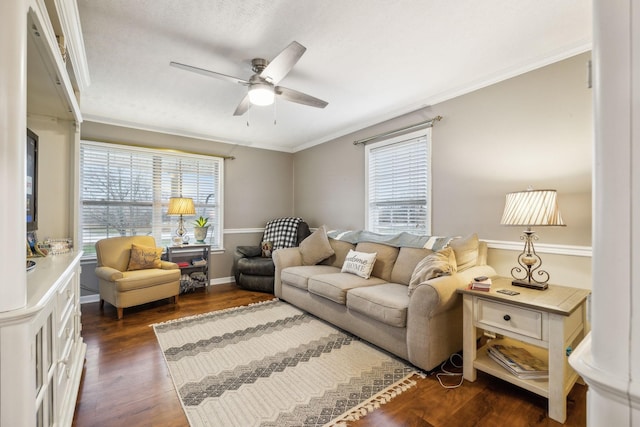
<point>434,317</point>
<point>168,265</point>
<point>283,258</point>
<point>248,251</point>
<point>443,293</point>
<point>109,274</point>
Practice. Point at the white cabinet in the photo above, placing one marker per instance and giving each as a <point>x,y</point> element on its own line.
<point>41,349</point>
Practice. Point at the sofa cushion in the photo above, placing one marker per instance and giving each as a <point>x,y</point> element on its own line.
<point>466,250</point>
<point>385,258</point>
<point>386,303</point>
<point>441,263</point>
<point>359,263</point>
<point>316,247</point>
<point>139,279</point>
<point>335,286</point>
<point>406,262</point>
<point>340,249</point>
<point>144,257</point>
<point>298,276</point>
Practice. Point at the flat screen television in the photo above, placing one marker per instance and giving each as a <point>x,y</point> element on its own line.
<point>32,181</point>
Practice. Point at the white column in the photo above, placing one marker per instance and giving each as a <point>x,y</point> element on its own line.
<point>608,359</point>
<point>13,124</point>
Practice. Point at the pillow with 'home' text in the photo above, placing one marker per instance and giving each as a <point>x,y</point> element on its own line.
<point>359,263</point>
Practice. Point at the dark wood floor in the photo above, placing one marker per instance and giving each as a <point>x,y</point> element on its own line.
<point>126,381</point>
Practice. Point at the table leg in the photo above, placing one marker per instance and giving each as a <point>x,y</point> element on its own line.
<point>469,346</point>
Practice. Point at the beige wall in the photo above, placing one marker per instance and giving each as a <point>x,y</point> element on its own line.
<point>534,129</point>
<point>258,185</point>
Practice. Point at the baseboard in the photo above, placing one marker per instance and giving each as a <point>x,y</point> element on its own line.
<point>86,299</point>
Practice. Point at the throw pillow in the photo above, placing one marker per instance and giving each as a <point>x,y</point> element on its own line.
<point>316,247</point>
<point>144,257</point>
<point>267,249</point>
<point>441,263</point>
<point>359,263</point>
<point>466,250</point>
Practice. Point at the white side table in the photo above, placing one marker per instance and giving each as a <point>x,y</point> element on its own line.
<point>547,323</point>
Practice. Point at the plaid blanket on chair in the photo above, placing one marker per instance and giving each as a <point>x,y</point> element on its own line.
<point>282,232</point>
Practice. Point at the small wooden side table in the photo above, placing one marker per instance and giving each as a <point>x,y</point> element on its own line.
<point>547,323</point>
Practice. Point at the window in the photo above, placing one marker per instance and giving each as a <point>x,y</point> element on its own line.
<point>398,184</point>
<point>125,191</point>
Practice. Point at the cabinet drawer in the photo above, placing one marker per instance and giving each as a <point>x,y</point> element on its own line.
<point>521,321</point>
<point>66,297</point>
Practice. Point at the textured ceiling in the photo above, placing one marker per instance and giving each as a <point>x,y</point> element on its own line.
<point>372,60</point>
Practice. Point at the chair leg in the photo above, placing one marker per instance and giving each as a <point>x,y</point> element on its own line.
<point>120,312</point>
<point>101,304</point>
<point>175,299</point>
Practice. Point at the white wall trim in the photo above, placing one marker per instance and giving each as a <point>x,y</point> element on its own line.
<point>86,299</point>
<point>243,230</point>
<point>543,248</point>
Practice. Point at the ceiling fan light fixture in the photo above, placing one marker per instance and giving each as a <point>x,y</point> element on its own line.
<point>261,94</point>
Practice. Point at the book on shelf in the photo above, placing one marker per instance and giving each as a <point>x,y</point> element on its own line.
<point>183,264</point>
<point>518,361</point>
<point>199,262</point>
<point>481,285</point>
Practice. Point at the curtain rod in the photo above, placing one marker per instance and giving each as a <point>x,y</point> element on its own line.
<point>426,123</point>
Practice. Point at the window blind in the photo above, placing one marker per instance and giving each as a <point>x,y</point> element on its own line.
<point>125,191</point>
<point>398,183</point>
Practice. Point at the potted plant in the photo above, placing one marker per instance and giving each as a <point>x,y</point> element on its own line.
<point>200,229</point>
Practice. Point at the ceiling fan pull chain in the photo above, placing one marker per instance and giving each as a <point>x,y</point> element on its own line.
<point>275,113</point>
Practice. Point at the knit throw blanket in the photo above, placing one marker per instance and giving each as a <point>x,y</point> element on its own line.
<point>273,365</point>
<point>435,243</point>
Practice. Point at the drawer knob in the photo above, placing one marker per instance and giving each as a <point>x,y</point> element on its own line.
<point>506,317</point>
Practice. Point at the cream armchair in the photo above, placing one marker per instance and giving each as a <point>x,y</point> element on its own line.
<point>130,272</point>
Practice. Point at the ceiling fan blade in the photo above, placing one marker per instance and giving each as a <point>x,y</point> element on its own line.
<point>209,73</point>
<point>299,97</point>
<point>243,107</point>
<point>283,62</point>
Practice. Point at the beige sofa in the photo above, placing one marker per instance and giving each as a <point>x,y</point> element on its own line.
<point>424,328</point>
<point>123,284</point>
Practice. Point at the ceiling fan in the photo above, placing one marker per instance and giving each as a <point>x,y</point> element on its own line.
<point>262,85</point>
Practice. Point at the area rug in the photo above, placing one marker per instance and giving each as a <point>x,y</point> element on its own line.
<point>271,364</point>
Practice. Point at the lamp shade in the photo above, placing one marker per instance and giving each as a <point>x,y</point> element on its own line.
<point>181,206</point>
<point>532,207</point>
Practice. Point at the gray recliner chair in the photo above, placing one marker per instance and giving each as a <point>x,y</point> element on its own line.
<point>255,272</point>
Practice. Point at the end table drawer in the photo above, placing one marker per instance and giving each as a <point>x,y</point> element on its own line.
<point>521,321</point>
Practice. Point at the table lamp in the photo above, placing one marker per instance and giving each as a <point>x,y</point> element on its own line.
<point>531,208</point>
<point>179,206</point>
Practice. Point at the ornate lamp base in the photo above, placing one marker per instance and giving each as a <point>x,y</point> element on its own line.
<point>530,263</point>
<point>532,285</point>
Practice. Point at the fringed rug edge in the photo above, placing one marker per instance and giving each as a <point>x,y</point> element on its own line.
<point>224,310</point>
<point>374,402</point>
